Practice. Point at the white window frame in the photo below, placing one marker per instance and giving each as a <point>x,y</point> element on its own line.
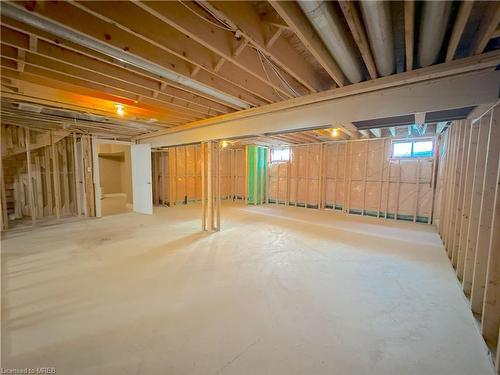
<point>412,141</point>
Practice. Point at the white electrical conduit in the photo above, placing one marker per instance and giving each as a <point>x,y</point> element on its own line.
<point>328,25</point>
<point>433,24</point>
<point>24,16</point>
<point>377,20</point>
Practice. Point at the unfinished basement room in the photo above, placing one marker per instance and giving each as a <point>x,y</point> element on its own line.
<point>250,187</point>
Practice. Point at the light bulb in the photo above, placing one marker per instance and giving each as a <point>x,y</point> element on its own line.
<point>119,110</point>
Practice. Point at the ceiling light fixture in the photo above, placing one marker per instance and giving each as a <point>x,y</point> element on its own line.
<point>119,109</point>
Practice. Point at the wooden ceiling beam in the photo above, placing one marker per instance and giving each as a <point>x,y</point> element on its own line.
<point>409,21</point>
<point>220,41</point>
<point>15,33</point>
<point>300,25</point>
<point>458,28</point>
<point>246,18</point>
<point>79,20</point>
<point>32,75</point>
<point>155,31</point>
<point>38,65</point>
<point>49,93</point>
<point>487,27</point>
<point>58,54</point>
<point>358,32</point>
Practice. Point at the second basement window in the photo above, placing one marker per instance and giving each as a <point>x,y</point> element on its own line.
<point>412,149</point>
<point>280,155</point>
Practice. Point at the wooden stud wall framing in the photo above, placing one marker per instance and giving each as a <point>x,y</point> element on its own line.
<point>356,177</point>
<point>41,175</point>
<point>178,175</point>
<point>469,215</point>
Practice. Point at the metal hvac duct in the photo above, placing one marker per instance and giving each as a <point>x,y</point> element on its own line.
<point>377,20</point>
<point>433,24</point>
<point>32,19</point>
<point>328,25</point>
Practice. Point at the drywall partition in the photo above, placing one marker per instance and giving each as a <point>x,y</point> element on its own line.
<point>40,175</point>
<point>257,171</point>
<point>357,177</point>
<point>469,214</point>
<point>177,174</point>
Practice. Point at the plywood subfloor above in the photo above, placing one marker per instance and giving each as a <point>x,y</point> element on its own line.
<point>305,292</point>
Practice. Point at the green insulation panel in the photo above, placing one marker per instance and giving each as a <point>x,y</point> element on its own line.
<point>257,172</point>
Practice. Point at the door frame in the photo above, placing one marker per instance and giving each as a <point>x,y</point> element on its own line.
<point>95,162</point>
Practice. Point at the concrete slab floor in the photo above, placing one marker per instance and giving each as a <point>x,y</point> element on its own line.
<point>278,291</point>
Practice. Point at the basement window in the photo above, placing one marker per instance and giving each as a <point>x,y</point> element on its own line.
<point>412,149</point>
<point>279,155</point>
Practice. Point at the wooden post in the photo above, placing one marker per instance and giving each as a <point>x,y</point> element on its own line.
<point>306,199</point>
<point>210,198</point>
<point>345,181</point>
<point>381,177</point>
<point>246,174</point>
<point>203,188</point>
<point>398,185</point>
<point>365,174</point>
<point>218,177</point>
<point>320,177</point>
<point>38,190</point>
<point>296,174</point>
<point>30,180</point>
<point>4,216</point>
<point>417,188</point>
<point>77,178</point>
<point>55,174</point>
<point>255,174</point>
<point>278,184</point>
<point>65,176</point>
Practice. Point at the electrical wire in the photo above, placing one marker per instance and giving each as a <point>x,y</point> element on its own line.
<point>225,27</point>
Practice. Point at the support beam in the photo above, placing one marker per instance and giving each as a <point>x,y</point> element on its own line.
<point>428,89</point>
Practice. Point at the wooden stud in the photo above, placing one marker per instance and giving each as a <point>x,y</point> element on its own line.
<point>491,303</point>
<point>486,203</point>
<point>477,190</point>
<point>31,198</point>
<point>458,28</point>
<point>77,178</point>
<point>203,188</point>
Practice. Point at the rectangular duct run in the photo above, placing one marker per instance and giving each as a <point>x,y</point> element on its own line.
<point>436,116</point>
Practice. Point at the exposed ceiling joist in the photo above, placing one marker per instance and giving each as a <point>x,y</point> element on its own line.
<point>293,16</point>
